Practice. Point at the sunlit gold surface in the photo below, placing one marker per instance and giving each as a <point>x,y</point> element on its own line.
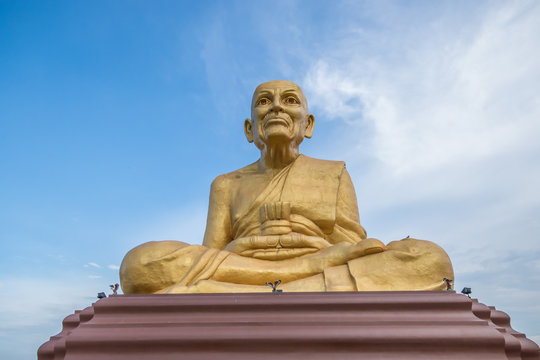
<point>285,217</point>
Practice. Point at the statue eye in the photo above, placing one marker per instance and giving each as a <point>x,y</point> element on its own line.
<point>291,100</point>
<point>264,101</point>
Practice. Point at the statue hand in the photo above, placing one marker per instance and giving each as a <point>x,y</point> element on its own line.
<point>241,245</point>
<point>276,227</point>
<point>275,211</point>
<point>277,247</point>
<point>274,218</point>
<point>295,240</point>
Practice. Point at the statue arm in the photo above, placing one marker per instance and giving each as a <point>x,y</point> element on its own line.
<point>347,227</point>
<point>218,224</point>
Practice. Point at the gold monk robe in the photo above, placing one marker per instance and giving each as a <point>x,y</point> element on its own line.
<point>325,250</point>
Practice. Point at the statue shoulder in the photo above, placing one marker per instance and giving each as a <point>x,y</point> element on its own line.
<point>331,166</point>
<point>228,180</point>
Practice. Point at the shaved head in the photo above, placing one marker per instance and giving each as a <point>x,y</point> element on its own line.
<point>279,116</point>
<point>283,84</point>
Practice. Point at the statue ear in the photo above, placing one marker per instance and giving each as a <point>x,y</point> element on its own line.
<point>248,130</point>
<point>310,122</point>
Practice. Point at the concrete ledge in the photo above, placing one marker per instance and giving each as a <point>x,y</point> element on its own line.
<point>340,325</point>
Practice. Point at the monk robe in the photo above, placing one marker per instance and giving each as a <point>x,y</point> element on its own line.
<point>326,250</point>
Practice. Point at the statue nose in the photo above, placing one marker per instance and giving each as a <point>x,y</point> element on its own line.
<point>276,106</point>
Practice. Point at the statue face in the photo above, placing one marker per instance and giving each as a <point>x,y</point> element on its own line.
<point>279,114</point>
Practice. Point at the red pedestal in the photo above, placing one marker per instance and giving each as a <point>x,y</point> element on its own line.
<point>338,325</point>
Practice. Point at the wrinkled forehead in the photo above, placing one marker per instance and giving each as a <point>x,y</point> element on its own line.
<point>281,85</point>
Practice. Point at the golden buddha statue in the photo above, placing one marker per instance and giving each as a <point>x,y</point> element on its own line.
<point>286,217</point>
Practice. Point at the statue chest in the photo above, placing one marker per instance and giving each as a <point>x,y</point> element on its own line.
<point>246,193</point>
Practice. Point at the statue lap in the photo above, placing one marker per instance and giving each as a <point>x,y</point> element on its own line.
<point>408,264</point>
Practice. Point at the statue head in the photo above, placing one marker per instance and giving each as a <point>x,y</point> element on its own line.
<point>279,115</point>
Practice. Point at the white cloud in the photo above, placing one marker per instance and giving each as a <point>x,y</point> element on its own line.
<point>113,267</point>
<point>449,100</point>
<point>94,276</point>
<point>94,265</point>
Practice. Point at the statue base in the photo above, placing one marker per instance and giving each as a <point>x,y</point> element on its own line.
<point>338,325</point>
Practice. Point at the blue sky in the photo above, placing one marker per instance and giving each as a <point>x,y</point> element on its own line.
<point>116,116</point>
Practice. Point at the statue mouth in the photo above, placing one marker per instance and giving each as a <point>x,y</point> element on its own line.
<point>275,121</point>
